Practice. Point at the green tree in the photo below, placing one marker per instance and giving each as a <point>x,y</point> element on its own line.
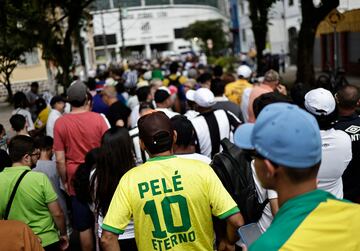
<point>205,30</point>
<point>311,17</point>
<point>259,10</point>
<point>15,39</point>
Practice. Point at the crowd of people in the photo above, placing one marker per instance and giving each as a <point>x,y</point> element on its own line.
<point>123,161</point>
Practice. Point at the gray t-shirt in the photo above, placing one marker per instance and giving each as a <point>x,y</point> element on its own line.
<point>48,167</point>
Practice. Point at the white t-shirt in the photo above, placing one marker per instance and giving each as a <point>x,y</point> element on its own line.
<point>245,103</point>
<point>129,230</point>
<point>336,155</point>
<point>27,116</point>
<point>134,116</point>
<point>195,156</point>
<point>53,116</point>
<point>168,112</point>
<point>267,217</point>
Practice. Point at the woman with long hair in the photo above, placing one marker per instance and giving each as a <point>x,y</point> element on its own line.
<point>114,160</point>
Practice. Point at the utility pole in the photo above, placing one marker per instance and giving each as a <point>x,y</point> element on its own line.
<point>104,37</point>
<point>122,49</point>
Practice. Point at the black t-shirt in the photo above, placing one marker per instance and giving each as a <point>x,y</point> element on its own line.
<point>118,111</point>
<point>351,176</point>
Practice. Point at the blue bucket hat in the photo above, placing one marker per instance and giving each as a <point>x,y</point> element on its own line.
<point>284,134</point>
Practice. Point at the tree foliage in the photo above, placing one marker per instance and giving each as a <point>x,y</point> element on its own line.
<point>311,17</point>
<point>15,40</point>
<point>259,10</point>
<point>205,30</point>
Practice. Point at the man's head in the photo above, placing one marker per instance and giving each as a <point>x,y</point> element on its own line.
<point>218,71</point>
<point>145,108</point>
<point>205,80</point>
<point>217,87</point>
<point>348,98</point>
<point>156,133</point>
<point>77,94</point>
<point>163,98</point>
<point>321,103</point>
<point>45,145</point>
<point>173,68</point>
<point>203,98</point>
<point>58,103</point>
<point>185,142</point>
<point>144,94</point>
<point>267,99</point>
<point>18,123</point>
<point>272,79</point>
<point>286,144</point>
<point>244,72</point>
<point>2,131</point>
<point>34,87</point>
<point>109,94</point>
<point>22,151</point>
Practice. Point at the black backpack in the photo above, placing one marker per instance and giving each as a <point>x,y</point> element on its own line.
<point>235,173</point>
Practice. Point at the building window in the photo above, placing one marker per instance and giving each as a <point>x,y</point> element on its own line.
<point>126,3</point>
<point>291,2</point>
<point>110,39</point>
<point>157,2</point>
<point>213,3</point>
<point>179,33</point>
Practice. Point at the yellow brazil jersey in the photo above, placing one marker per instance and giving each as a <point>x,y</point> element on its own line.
<point>173,77</point>
<point>171,201</point>
<point>234,90</point>
<point>42,118</point>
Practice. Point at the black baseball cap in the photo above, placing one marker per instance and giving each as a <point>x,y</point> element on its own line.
<point>156,131</point>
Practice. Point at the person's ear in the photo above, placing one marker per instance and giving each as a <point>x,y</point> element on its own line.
<point>270,168</point>
<point>336,98</point>
<point>174,137</point>
<point>142,145</point>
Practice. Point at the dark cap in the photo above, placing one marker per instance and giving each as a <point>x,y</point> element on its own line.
<point>161,95</point>
<point>156,132</point>
<point>77,92</point>
<point>56,99</point>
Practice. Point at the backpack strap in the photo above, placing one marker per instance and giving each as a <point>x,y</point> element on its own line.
<point>213,125</point>
<point>8,207</point>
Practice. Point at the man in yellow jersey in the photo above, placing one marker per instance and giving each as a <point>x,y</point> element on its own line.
<point>234,91</point>
<point>171,199</point>
<point>285,142</point>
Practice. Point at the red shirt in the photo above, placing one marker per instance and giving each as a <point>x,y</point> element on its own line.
<point>76,134</point>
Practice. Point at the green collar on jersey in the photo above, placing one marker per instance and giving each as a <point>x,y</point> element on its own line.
<point>162,158</point>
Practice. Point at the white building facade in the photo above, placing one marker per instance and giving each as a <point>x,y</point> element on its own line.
<point>149,26</point>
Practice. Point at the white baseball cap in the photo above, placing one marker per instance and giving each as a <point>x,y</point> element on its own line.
<point>244,71</point>
<point>320,102</point>
<point>190,95</point>
<point>204,97</point>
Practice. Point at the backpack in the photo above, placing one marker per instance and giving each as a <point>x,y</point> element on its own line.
<point>235,173</point>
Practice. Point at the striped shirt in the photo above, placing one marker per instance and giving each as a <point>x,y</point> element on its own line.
<point>140,155</point>
<point>211,127</point>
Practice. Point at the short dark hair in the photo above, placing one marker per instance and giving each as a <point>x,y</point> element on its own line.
<point>35,84</point>
<point>174,66</point>
<point>19,146</point>
<point>204,78</point>
<point>267,99</point>
<point>44,143</point>
<point>1,128</point>
<point>142,93</point>
<point>218,71</point>
<point>326,122</point>
<point>348,96</point>
<point>299,175</point>
<point>17,122</point>
<point>217,87</point>
<point>20,100</point>
<point>184,129</point>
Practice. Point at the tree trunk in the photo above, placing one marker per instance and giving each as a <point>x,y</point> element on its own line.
<point>305,58</point>
<point>311,18</point>
<point>7,85</point>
